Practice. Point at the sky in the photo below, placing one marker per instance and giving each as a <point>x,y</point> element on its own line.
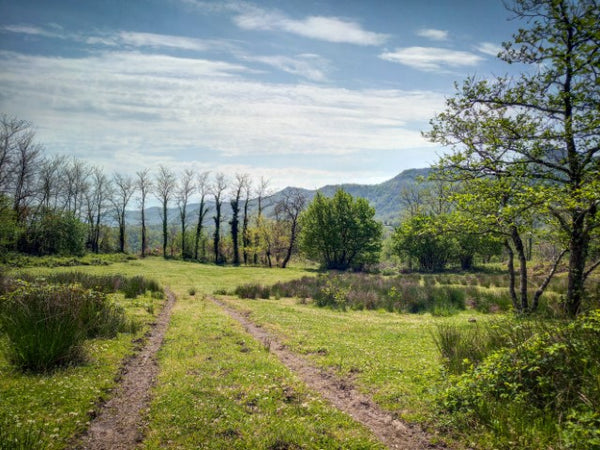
<point>302,92</point>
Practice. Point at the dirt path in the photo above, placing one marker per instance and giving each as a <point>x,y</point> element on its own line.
<point>119,423</point>
<point>340,393</point>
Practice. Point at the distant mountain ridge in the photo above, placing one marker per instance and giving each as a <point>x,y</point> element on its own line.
<point>384,197</point>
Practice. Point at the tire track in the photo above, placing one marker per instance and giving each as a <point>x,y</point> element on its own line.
<point>119,425</point>
<point>392,432</point>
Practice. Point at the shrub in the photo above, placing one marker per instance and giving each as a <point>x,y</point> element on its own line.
<point>252,291</point>
<point>43,326</point>
<point>46,325</point>
<point>549,381</point>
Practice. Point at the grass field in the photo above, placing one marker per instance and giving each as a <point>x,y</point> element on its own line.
<point>218,388</point>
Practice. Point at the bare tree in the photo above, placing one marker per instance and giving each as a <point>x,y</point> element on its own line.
<point>76,184</point>
<point>203,188</point>
<point>164,187</point>
<point>241,180</point>
<point>262,191</point>
<point>246,241</point>
<point>185,188</point>
<point>50,181</point>
<point>144,186</point>
<point>217,190</point>
<point>96,199</point>
<point>124,188</point>
<point>290,207</point>
<point>24,167</point>
<point>12,130</point>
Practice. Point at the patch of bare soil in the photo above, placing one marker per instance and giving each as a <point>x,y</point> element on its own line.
<point>340,392</point>
<point>119,425</point>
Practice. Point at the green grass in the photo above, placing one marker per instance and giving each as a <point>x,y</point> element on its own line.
<point>218,388</point>
<point>390,356</point>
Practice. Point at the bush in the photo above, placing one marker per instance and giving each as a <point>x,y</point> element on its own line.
<point>46,325</point>
<point>252,291</point>
<point>549,382</point>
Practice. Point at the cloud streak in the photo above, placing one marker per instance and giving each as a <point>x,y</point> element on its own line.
<point>248,16</point>
<point>431,59</point>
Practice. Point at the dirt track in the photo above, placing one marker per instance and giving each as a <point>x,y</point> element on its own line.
<point>340,393</point>
<point>119,423</point>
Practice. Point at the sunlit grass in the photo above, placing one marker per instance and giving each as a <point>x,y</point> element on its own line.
<point>390,356</point>
<point>219,388</point>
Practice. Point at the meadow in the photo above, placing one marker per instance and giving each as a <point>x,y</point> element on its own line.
<point>220,388</point>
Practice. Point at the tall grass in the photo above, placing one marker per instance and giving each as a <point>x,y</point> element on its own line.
<point>130,286</point>
<point>46,325</point>
<point>361,291</point>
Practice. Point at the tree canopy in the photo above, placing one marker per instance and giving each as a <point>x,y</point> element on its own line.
<point>340,232</point>
<point>540,130</point>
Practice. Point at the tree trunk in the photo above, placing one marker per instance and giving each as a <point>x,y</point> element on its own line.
<point>165,231</point>
<point>578,246</point>
<point>144,238</point>
<point>511,276</point>
<point>520,248</point>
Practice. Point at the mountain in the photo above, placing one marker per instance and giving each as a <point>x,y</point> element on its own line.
<point>384,197</point>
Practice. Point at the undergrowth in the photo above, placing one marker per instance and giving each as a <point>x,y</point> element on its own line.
<point>540,389</point>
<point>404,293</point>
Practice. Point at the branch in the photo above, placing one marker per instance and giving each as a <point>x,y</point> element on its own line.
<point>593,267</point>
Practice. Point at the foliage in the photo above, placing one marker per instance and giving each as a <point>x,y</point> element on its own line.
<point>54,233</point>
<point>361,291</point>
<point>534,139</point>
<point>340,232</point>
<point>552,377</point>
<point>130,286</point>
<point>421,238</point>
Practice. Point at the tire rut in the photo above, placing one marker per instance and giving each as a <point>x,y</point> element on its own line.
<point>392,432</point>
<point>119,425</point>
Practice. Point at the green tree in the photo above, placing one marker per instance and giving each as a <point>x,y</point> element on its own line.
<point>542,127</point>
<point>53,232</point>
<point>340,232</point>
<point>421,237</point>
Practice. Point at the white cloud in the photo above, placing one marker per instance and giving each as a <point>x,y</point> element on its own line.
<point>161,40</point>
<point>309,66</point>
<point>489,48</point>
<point>30,30</point>
<point>433,34</point>
<point>330,29</point>
<point>431,58</point>
<point>169,108</point>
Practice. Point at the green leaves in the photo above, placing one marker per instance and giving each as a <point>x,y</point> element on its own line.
<point>340,232</point>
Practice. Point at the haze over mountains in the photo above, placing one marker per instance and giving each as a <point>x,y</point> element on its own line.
<point>384,197</point>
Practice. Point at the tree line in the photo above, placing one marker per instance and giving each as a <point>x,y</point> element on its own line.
<point>64,205</point>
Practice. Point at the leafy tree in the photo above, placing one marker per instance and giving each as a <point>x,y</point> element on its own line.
<point>340,232</point>
<point>422,238</point>
<point>54,233</point>
<point>541,127</point>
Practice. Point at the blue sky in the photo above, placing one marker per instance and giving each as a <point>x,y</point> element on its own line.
<point>303,92</point>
